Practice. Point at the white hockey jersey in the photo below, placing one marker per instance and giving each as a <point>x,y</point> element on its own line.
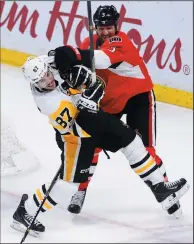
<point>60,109</point>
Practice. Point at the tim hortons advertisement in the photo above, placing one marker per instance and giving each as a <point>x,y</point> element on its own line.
<point>162,31</point>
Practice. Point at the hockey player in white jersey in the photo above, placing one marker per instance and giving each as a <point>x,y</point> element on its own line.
<point>73,110</point>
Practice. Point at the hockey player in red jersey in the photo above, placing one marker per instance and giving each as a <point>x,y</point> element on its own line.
<point>129,87</point>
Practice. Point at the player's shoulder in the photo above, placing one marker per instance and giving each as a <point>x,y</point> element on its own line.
<point>49,102</point>
<point>86,42</point>
<point>122,34</point>
<point>119,37</point>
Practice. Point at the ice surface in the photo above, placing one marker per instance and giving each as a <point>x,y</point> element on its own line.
<point>119,208</point>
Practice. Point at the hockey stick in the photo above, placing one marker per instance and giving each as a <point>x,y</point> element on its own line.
<point>43,201</point>
<point>91,41</point>
<point>92,62</point>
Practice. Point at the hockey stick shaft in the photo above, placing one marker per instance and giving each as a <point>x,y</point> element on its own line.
<point>92,61</point>
<point>43,201</point>
<point>90,24</point>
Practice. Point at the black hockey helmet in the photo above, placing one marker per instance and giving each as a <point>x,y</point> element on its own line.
<point>106,15</point>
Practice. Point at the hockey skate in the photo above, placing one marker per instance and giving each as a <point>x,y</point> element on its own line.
<point>175,210</point>
<point>21,220</point>
<point>77,201</point>
<point>168,193</point>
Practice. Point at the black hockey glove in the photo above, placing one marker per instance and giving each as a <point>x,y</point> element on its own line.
<point>64,87</point>
<point>91,96</point>
<point>51,54</point>
<point>78,76</point>
<point>66,57</point>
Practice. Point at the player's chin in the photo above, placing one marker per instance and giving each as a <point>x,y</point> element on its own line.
<point>52,85</point>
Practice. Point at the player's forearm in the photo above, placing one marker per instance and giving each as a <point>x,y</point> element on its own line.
<point>102,61</point>
<point>68,56</point>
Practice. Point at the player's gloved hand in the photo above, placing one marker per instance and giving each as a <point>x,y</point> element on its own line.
<point>91,96</point>
<point>64,87</point>
<point>78,77</point>
<point>51,55</point>
<point>66,57</point>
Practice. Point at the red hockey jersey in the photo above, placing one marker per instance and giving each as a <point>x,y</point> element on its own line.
<point>118,62</point>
